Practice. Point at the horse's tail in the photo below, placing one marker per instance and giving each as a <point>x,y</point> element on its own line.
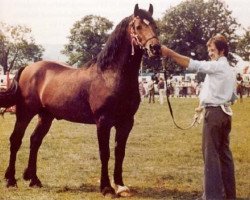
<point>10,97</point>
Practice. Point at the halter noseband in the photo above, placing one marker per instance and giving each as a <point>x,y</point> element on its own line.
<point>150,39</point>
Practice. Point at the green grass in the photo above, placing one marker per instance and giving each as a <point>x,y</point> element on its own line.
<point>161,161</point>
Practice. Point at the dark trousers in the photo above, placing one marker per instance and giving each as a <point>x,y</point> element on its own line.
<point>219,179</point>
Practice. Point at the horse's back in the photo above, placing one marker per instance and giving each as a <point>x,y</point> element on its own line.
<point>41,67</point>
<point>35,77</point>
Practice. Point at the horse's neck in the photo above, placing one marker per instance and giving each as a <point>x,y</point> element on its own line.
<point>128,57</point>
<point>116,55</point>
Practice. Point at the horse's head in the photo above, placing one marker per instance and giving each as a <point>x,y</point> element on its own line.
<point>143,31</point>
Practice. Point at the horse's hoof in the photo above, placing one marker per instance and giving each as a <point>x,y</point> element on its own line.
<point>122,191</point>
<point>35,183</point>
<point>11,183</point>
<point>108,192</point>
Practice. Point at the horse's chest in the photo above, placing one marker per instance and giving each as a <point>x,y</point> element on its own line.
<point>129,102</point>
<point>115,96</point>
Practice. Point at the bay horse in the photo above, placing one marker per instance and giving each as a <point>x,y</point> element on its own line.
<point>104,92</point>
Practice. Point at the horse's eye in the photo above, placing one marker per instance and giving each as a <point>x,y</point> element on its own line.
<point>138,27</point>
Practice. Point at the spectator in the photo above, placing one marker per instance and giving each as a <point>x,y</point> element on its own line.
<point>151,91</point>
<point>142,90</point>
<point>240,86</point>
<point>247,86</point>
<point>184,88</point>
<point>161,86</point>
<point>177,88</point>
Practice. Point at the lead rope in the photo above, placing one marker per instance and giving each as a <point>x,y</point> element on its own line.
<point>133,48</point>
<point>135,41</point>
<point>196,119</point>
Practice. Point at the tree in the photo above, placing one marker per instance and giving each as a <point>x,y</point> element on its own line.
<point>154,64</point>
<point>86,39</point>
<point>187,27</point>
<point>243,46</point>
<point>17,47</point>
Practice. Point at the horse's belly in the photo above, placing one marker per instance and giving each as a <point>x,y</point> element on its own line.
<point>77,119</point>
<point>73,113</point>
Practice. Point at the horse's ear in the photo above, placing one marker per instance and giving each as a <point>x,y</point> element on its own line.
<point>150,10</point>
<point>136,10</point>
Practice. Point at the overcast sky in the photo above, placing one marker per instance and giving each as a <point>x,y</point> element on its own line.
<point>51,20</point>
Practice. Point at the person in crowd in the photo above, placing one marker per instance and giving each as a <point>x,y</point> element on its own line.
<point>155,78</point>
<point>177,87</point>
<point>247,86</point>
<point>170,88</point>
<point>151,91</point>
<point>217,93</point>
<point>161,89</point>
<point>184,88</point>
<point>240,86</point>
<point>142,90</point>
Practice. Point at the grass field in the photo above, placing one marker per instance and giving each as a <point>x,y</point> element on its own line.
<point>161,161</point>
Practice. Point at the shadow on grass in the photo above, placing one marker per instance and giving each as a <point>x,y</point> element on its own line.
<point>87,188</point>
<point>163,193</point>
<point>137,192</point>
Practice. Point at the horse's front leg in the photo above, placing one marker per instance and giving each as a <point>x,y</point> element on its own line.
<point>122,132</point>
<point>103,134</point>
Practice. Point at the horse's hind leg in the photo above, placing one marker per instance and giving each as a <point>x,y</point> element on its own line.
<point>43,126</point>
<point>22,121</point>
<point>122,132</point>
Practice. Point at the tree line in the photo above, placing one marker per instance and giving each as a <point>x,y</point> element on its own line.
<point>184,28</point>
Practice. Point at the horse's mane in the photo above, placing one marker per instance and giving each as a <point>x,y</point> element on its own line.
<point>117,37</point>
<point>107,55</point>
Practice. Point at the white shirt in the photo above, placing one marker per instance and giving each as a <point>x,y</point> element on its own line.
<point>220,81</point>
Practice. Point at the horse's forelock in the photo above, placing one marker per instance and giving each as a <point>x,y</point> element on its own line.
<point>143,14</point>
